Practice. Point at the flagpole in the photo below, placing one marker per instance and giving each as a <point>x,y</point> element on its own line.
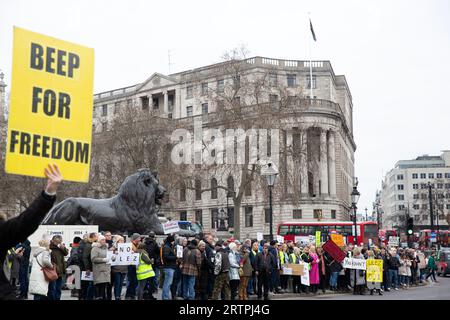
<point>310,63</point>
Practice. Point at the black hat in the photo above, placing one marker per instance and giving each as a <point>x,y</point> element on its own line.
<point>272,242</point>
<point>194,242</point>
<point>170,239</point>
<point>219,243</point>
<point>76,240</point>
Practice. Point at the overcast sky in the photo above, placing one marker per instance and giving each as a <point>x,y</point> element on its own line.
<point>394,54</point>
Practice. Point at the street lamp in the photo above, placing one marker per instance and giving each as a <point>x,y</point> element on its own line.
<point>366,213</point>
<point>355,197</point>
<point>271,175</point>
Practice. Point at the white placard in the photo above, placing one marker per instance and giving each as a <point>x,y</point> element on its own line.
<point>350,263</point>
<point>171,227</point>
<point>259,236</point>
<point>85,277</point>
<point>304,279</point>
<point>312,239</point>
<point>287,271</point>
<point>124,256</point>
<point>179,251</point>
<point>280,239</point>
<point>393,241</point>
<point>303,240</point>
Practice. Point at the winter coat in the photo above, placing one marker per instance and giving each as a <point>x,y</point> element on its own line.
<point>38,284</point>
<point>264,263</point>
<point>192,261</point>
<point>405,267</point>
<point>153,251</point>
<point>201,284</point>
<point>209,254</point>
<point>17,230</point>
<point>314,272</point>
<point>101,270</point>
<point>431,263</point>
<point>234,266</point>
<point>74,256</point>
<point>58,255</point>
<point>360,274</point>
<point>221,262</point>
<point>86,249</point>
<point>15,260</point>
<point>247,265</point>
<point>393,263</point>
<point>169,256</point>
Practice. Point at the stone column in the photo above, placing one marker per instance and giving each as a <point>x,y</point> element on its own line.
<point>331,164</point>
<point>166,102</point>
<point>323,163</point>
<point>290,172</point>
<point>304,162</point>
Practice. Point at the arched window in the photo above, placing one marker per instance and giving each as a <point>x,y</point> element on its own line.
<point>213,188</point>
<point>230,184</point>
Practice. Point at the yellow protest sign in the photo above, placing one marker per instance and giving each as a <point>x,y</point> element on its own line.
<point>337,239</point>
<point>50,116</point>
<point>374,270</point>
<point>318,238</point>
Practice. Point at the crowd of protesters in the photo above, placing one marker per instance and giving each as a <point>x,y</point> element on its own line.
<point>209,269</point>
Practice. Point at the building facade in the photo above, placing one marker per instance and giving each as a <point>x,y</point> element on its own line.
<point>405,192</point>
<point>324,125</point>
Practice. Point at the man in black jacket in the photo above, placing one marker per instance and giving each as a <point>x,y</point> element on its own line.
<point>18,229</point>
<point>153,250</point>
<point>264,269</point>
<point>169,260</point>
<point>210,254</point>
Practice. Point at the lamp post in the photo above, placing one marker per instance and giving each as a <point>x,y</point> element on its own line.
<point>271,175</point>
<point>366,213</point>
<point>355,197</point>
<point>431,208</point>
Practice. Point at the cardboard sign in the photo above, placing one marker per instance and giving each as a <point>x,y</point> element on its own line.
<point>171,227</point>
<point>374,270</point>
<point>280,239</point>
<point>318,240</point>
<point>334,251</point>
<point>304,279</point>
<point>293,269</point>
<point>338,239</point>
<point>85,277</point>
<point>259,236</point>
<point>179,251</point>
<point>393,241</point>
<point>51,109</point>
<point>351,263</point>
<point>124,256</point>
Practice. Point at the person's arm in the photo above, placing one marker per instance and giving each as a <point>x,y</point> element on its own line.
<point>95,256</point>
<point>87,262</point>
<point>146,258</point>
<point>18,229</point>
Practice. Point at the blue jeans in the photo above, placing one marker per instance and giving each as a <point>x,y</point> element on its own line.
<point>333,279</point>
<point>118,282</point>
<point>393,278</point>
<point>155,279</point>
<point>250,286</point>
<point>132,282</point>
<point>168,278</point>
<point>54,289</point>
<point>39,297</point>
<point>188,287</point>
<point>24,281</point>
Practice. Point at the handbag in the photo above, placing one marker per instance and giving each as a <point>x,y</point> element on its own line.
<point>49,273</point>
<point>241,272</point>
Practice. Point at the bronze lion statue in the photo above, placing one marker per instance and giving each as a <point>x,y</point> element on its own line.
<point>133,209</point>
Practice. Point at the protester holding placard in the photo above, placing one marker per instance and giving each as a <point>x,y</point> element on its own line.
<point>314,270</point>
<point>360,274</point>
<point>295,258</point>
<point>100,268</point>
<point>118,271</point>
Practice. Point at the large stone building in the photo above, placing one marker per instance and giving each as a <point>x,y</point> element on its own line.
<point>325,125</point>
<point>405,191</point>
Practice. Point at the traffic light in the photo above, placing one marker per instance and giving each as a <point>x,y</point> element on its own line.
<point>410,226</point>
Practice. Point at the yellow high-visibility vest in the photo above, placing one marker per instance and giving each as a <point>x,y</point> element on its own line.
<point>144,270</point>
<point>281,253</point>
<point>294,258</point>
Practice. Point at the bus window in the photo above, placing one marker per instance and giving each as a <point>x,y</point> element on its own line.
<point>370,231</point>
<point>348,230</point>
<point>295,230</point>
<point>284,230</point>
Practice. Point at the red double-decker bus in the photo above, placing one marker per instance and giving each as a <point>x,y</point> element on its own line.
<point>365,230</point>
<point>384,235</point>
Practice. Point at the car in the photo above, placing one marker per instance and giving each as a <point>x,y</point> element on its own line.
<point>443,263</point>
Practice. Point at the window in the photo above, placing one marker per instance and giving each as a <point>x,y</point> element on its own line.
<point>204,89</point>
<point>144,103</point>
<point>291,80</point>
<point>183,215</point>
<point>189,111</point>
<point>424,196</point>
<point>416,217</point>
<point>273,98</point>
<point>116,107</point>
<point>425,206</point>
<point>213,188</point>
<point>189,92</point>
<point>236,82</point>
<point>447,196</point>
<point>155,103</point>
<point>204,108</point>
<point>198,190</point>
<point>308,80</point>
<point>266,215</point>
<point>183,192</point>
<point>416,196</point>
<point>297,214</point>
<point>333,214</point>
<point>401,197</point>
<point>424,217</point>
<point>317,214</point>
<point>415,206</point>
<point>447,206</point>
<point>440,206</point>
<point>399,187</point>
<point>415,175</point>
<point>399,177</point>
<point>447,186</point>
<point>447,175</point>
<point>273,81</point>
<point>423,186</point>
<point>431,176</point>
<point>440,185</point>
<point>104,126</point>
<point>248,216</point>
<point>423,176</point>
<point>199,217</point>
<point>104,110</point>
<point>415,186</point>
<point>439,175</point>
<point>401,207</point>
<point>220,85</point>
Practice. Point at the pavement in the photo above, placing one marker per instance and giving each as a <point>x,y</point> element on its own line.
<point>427,291</point>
